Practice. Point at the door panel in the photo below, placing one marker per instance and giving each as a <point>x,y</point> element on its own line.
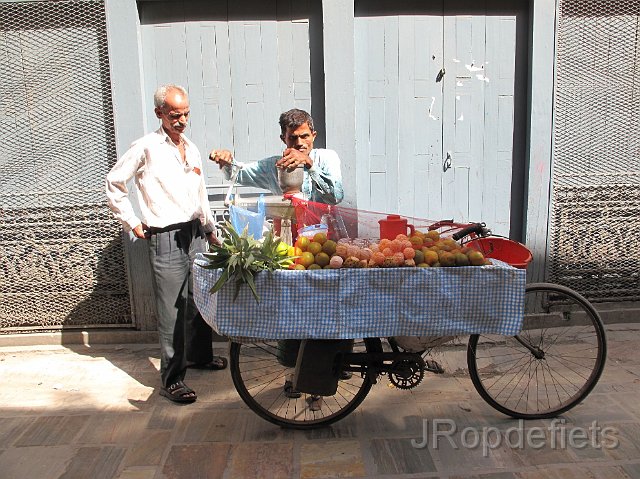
<point>243,64</point>
<point>447,148</point>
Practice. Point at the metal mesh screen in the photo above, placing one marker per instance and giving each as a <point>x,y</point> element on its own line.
<point>62,261</point>
<point>595,219</point>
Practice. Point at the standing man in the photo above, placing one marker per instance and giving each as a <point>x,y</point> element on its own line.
<point>322,183</point>
<point>175,219</point>
<point>322,177</point>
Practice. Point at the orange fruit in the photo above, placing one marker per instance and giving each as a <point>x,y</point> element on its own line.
<point>461,259</point>
<point>299,266</point>
<point>430,257</point>
<point>453,244</point>
<point>447,259</point>
<point>320,238</point>
<point>314,248</point>
<point>314,266</point>
<point>294,251</point>
<point>322,259</point>
<point>378,258</point>
<point>419,256</point>
<point>384,243</point>
<point>306,259</point>
<point>398,258</point>
<point>329,247</point>
<point>476,258</point>
<point>396,245</point>
<point>416,241</point>
<point>302,242</point>
<point>433,234</point>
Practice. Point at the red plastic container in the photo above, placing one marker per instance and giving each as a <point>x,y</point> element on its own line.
<point>393,225</point>
<point>511,252</point>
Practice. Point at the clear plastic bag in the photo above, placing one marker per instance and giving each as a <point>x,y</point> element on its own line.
<point>254,221</point>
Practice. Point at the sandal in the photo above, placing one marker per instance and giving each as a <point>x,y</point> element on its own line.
<point>179,392</point>
<point>218,363</point>
<point>290,392</point>
<point>433,366</point>
<point>315,402</point>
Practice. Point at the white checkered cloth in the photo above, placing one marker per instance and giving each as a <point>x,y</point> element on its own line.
<point>370,302</point>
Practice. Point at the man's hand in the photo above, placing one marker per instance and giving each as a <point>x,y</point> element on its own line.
<point>222,157</point>
<point>212,239</point>
<point>141,231</point>
<point>291,158</point>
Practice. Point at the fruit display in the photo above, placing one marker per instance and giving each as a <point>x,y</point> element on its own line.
<point>423,250</point>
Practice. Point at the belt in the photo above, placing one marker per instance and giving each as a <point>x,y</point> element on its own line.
<point>174,227</point>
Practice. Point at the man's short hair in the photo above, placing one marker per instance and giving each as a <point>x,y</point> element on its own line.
<point>294,119</point>
<point>160,96</point>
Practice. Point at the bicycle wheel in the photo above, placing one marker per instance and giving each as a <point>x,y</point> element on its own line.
<point>259,377</point>
<point>551,366</point>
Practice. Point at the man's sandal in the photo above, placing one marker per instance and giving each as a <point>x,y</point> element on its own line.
<point>290,392</point>
<point>179,392</point>
<point>218,363</point>
<point>315,402</point>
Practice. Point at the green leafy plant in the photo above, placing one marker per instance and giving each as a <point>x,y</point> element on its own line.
<point>240,257</point>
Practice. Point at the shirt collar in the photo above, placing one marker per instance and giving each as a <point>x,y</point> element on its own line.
<point>165,138</point>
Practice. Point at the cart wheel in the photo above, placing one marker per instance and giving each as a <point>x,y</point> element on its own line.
<point>259,376</point>
<point>551,366</point>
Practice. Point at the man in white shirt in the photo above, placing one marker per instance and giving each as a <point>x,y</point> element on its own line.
<point>175,219</point>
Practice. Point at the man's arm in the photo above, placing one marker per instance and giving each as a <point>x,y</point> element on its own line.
<point>207,219</point>
<point>258,174</point>
<point>118,194</point>
<point>326,177</point>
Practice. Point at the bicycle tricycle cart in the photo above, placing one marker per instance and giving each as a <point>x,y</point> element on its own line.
<point>534,350</point>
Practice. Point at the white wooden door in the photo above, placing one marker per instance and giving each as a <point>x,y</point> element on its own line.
<point>435,111</point>
<point>242,63</point>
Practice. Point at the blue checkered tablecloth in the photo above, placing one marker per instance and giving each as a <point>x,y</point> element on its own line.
<point>370,302</point>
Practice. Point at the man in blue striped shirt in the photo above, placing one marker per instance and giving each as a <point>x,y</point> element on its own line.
<point>322,183</point>
<point>322,176</point>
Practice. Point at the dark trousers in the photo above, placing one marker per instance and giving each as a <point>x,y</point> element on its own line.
<point>184,336</point>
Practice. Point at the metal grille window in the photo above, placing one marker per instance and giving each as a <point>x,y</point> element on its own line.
<point>62,260</point>
<point>595,246</point>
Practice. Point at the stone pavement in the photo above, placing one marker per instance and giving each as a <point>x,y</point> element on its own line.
<point>94,412</point>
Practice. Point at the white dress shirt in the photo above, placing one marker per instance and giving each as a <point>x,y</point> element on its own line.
<point>168,190</point>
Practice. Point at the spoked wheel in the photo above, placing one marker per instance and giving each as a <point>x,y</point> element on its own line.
<point>259,377</point>
<point>551,366</point>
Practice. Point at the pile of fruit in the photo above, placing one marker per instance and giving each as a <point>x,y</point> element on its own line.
<point>420,249</point>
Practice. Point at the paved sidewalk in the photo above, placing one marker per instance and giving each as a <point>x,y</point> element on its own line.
<point>94,412</point>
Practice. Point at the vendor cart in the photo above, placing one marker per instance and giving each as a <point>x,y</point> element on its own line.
<point>534,351</point>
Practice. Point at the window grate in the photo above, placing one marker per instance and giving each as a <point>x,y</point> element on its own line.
<point>62,260</point>
<point>595,215</point>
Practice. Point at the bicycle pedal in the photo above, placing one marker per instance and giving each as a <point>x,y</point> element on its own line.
<point>433,366</point>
